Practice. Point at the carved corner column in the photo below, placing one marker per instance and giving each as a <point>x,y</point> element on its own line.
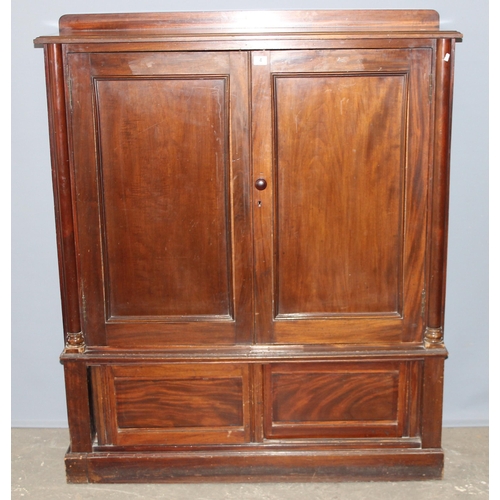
<point>75,368</point>
<point>61,181</point>
<point>433,372</point>
<point>439,199</point>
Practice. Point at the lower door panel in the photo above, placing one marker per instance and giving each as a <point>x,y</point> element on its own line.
<point>338,399</point>
<point>205,403</point>
<point>171,404</point>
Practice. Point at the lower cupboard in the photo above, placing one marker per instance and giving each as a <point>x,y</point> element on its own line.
<point>147,419</point>
<point>185,403</point>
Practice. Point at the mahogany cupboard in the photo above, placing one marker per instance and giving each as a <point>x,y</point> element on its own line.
<point>251,217</point>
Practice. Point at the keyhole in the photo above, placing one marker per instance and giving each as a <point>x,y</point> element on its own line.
<point>259,203</point>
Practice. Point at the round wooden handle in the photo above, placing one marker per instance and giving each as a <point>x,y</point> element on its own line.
<point>261,184</point>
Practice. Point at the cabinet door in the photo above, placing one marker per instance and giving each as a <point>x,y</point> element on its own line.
<point>160,167</point>
<point>338,399</point>
<point>341,138</point>
<point>171,404</point>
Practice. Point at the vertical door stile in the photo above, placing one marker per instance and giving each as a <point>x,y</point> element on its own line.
<point>262,199</point>
<point>240,199</point>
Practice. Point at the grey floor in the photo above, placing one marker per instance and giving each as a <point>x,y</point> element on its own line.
<point>38,473</point>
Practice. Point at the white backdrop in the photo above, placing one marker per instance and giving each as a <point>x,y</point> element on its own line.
<point>37,391</point>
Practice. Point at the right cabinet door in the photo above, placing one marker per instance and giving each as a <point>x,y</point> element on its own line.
<point>339,399</point>
<point>342,139</point>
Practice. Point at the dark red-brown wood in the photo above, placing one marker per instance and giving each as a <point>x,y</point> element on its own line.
<point>251,213</point>
<point>172,404</point>
<point>344,148</point>
<point>250,466</point>
<point>61,177</point>
<point>327,400</point>
<point>79,408</point>
<point>438,228</point>
<point>253,22</point>
<point>162,213</point>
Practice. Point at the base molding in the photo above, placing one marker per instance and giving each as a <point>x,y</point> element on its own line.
<point>254,466</point>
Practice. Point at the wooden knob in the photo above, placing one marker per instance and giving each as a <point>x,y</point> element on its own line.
<point>261,184</point>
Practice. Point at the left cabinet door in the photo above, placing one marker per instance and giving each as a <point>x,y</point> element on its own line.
<point>160,175</point>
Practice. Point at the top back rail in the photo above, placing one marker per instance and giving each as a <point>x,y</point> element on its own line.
<point>74,28</point>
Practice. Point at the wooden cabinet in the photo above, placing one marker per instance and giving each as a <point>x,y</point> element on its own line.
<point>251,216</point>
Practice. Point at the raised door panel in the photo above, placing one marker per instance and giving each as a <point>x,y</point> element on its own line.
<point>162,247</point>
<point>334,400</point>
<point>161,176</point>
<point>346,159</point>
<point>171,404</point>
<point>339,194</point>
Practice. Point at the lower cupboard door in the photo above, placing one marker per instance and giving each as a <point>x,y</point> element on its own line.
<point>340,399</point>
<point>171,404</point>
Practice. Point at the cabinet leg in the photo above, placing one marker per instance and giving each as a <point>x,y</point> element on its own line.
<point>78,403</point>
<point>432,402</point>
